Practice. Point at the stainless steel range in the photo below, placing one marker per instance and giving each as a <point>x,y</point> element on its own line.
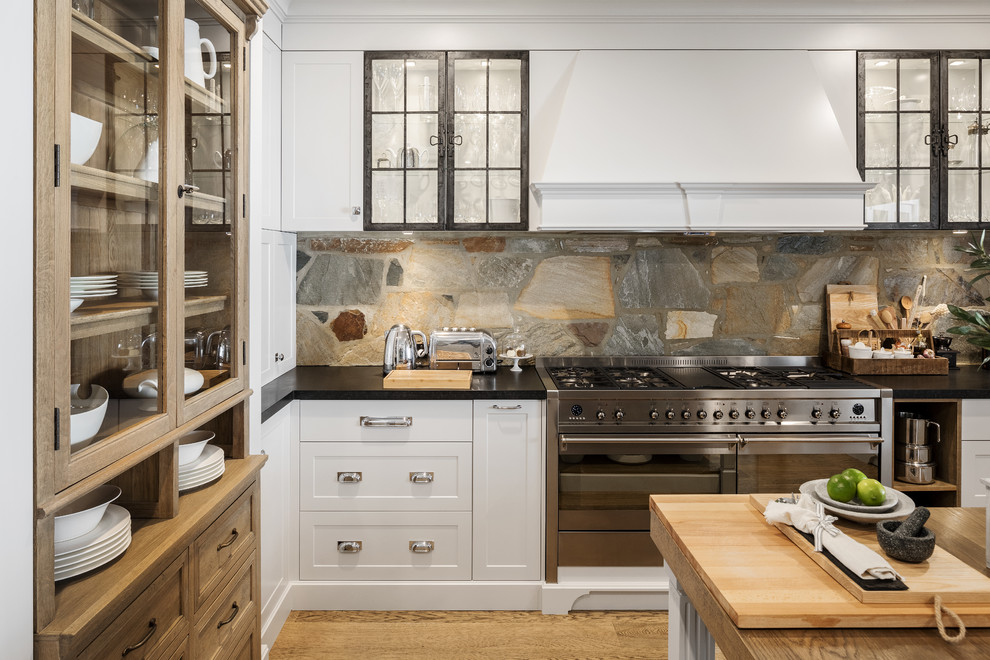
<point>619,429</point>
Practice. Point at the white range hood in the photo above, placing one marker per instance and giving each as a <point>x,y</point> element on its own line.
<point>695,141</point>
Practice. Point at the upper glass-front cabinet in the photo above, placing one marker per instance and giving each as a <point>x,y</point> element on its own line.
<point>446,140</point>
<point>137,314</point>
<point>924,119</point>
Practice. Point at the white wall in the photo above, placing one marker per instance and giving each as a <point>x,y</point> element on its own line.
<point>16,390</point>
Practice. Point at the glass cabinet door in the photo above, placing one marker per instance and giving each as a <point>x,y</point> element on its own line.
<point>967,145</point>
<point>212,208</point>
<point>113,221</point>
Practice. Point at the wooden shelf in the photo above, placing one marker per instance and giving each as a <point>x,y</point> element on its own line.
<point>203,202</point>
<point>92,320</point>
<point>119,186</point>
<point>935,486</point>
<point>108,41</point>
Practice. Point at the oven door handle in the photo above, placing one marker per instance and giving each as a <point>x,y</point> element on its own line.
<point>809,443</point>
<point>633,444</point>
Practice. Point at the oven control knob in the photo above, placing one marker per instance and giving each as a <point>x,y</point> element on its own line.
<point>750,413</point>
<point>702,414</point>
<point>669,414</point>
<point>718,414</point>
<point>834,413</point>
<point>686,414</point>
<point>782,413</point>
<point>654,414</point>
<point>817,413</point>
<point>734,414</point>
<point>600,415</point>
<point>619,414</point>
<point>765,414</point>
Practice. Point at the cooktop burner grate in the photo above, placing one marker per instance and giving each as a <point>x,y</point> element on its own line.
<point>706,377</point>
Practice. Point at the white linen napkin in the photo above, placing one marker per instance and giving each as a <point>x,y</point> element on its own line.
<point>854,555</point>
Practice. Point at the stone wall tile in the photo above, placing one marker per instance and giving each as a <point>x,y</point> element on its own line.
<point>804,244</point>
<point>484,244</point>
<point>752,310</point>
<point>589,333</point>
<point>359,245</point>
<point>569,288</point>
<point>483,310</point>
<point>596,244</point>
<point>503,271</point>
<point>635,335</point>
<point>438,270</point>
<point>738,264</point>
<point>690,325</point>
<point>663,278</point>
<point>854,269</point>
<point>339,279</point>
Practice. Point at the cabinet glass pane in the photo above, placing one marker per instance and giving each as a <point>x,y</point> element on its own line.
<point>881,140</point>
<point>469,196</point>
<point>880,207</point>
<point>420,131</point>
<point>388,80</point>
<point>963,194</point>
<point>386,195</point>
<point>503,206</point>
<point>964,140</point>
<point>211,210</point>
<point>880,85</point>
<point>985,197</point>
<point>470,140</point>
<point>114,222</point>
<point>914,88</point>
<point>506,84</point>
<point>421,197</point>
<point>915,196</point>
<point>504,135</point>
<point>386,141</point>
<point>471,85</point>
<point>421,85</point>
<point>913,150</point>
<point>986,85</point>
<point>963,83</point>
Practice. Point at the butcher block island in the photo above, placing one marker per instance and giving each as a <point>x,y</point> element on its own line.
<point>741,583</point>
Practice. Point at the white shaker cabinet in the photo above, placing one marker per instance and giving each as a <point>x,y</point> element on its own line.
<point>508,490</point>
<point>975,451</point>
<point>322,133</point>
<point>278,302</point>
<point>277,435</point>
<point>271,135</point>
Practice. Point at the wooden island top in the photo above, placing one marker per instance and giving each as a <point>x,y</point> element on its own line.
<point>959,531</point>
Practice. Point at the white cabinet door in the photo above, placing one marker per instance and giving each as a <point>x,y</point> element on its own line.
<point>271,136</point>
<point>276,438</point>
<point>975,466</point>
<point>322,133</point>
<point>508,490</point>
<point>278,304</point>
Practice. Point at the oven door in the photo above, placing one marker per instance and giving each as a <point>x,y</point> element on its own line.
<point>781,463</point>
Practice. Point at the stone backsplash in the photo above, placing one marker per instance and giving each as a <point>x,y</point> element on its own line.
<point>610,294</point>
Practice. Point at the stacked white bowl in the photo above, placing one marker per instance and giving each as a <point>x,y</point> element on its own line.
<point>90,286</point>
<point>90,532</point>
<point>199,462</point>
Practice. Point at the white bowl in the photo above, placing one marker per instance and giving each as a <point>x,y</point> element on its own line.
<point>903,355</point>
<point>191,445</point>
<point>144,385</point>
<point>86,416</point>
<point>84,138</point>
<point>83,515</point>
<point>860,353</point>
<point>74,304</point>
<point>882,355</point>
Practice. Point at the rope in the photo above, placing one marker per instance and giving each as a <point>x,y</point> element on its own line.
<point>956,621</point>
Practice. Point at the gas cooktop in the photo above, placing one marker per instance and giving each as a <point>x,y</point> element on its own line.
<point>698,377</point>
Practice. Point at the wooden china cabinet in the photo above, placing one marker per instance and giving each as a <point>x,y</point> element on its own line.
<point>141,320</point>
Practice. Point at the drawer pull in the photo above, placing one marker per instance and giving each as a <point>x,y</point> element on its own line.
<point>349,477</point>
<point>421,477</point>
<point>233,537</point>
<point>421,547</point>
<point>153,624</point>
<point>515,407</point>
<point>386,422</point>
<point>349,546</point>
<point>229,618</point>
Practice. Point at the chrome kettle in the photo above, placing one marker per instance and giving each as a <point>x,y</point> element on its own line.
<point>400,347</point>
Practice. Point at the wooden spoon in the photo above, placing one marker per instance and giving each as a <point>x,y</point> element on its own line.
<point>888,318</point>
<point>907,304</point>
<point>924,320</point>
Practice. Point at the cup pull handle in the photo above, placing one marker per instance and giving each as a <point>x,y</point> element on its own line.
<point>421,477</point>
<point>421,547</point>
<point>153,625</point>
<point>349,477</point>
<point>349,546</point>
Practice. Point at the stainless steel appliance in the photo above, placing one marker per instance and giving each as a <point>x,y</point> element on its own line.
<point>620,429</point>
<point>401,350</point>
<point>462,348</point>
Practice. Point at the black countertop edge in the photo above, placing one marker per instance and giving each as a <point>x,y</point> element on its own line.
<point>314,383</point>
<point>967,382</point>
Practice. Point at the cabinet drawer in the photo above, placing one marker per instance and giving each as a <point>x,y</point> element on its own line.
<point>385,421</point>
<point>386,551</point>
<point>222,544</point>
<point>150,623</point>
<point>351,476</point>
<point>975,419</point>
<point>230,616</point>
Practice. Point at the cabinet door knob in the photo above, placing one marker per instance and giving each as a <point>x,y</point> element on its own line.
<point>349,546</point>
<point>421,547</point>
<point>421,477</point>
<point>349,477</point>
<point>355,210</point>
<point>187,188</point>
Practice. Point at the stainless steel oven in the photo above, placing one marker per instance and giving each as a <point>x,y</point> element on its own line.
<point>623,429</point>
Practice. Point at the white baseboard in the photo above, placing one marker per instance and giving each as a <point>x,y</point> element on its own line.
<point>612,588</point>
<point>273,617</point>
<point>325,595</point>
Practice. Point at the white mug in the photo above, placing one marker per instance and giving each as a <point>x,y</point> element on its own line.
<point>194,55</point>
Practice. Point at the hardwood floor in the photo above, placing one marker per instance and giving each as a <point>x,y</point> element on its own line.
<point>523,635</point>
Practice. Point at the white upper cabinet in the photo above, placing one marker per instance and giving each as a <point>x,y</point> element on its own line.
<point>271,135</point>
<point>695,140</point>
<point>322,129</point>
<point>278,301</point>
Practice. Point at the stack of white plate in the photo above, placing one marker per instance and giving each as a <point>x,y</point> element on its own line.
<point>208,467</point>
<point>104,543</point>
<point>146,281</point>
<point>91,286</point>
<point>196,278</point>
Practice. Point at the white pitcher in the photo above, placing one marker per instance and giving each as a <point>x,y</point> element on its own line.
<point>194,55</point>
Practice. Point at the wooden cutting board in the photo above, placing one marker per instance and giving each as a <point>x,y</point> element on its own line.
<point>851,303</point>
<point>428,379</point>
<point>763,580</point>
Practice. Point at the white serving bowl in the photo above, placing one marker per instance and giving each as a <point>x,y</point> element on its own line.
<point>859,353</point>
<point>882,355</point>
<point>144,385</point>
<point>903,355</point>
<point>84,138</point>
<point>87,415</point>
<point>83,515</point>
<point>191,445</point>
<point>74,304</point>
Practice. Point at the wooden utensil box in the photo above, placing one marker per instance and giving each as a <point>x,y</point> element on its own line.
<point>891,367</point>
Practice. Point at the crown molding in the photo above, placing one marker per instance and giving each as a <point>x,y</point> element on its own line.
<point>280,9</point>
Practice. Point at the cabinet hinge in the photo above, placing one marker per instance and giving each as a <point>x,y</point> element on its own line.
<point>244,205</point>
<point>57,430</point>
<point>58,165</point>
<point>244,353</point>
<point>244,58</point>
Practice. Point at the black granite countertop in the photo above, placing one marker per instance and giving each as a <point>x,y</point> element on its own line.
<point>366,383</point>
<point>967,382</point>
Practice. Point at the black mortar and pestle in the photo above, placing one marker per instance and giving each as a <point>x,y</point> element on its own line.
<point>907,541</point>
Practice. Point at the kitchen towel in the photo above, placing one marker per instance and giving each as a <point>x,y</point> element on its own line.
<point>855,556</point>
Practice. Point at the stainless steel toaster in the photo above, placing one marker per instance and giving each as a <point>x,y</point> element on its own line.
<point>462,348</point>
